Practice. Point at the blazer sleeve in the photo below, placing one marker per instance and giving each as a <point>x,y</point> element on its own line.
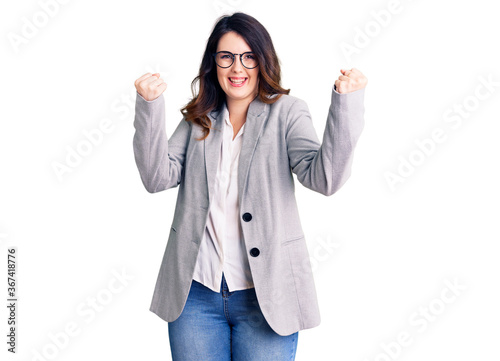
<point>325,167</point>
<point>160,160</point>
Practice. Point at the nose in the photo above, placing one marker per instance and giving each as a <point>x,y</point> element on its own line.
<point>237,66</point>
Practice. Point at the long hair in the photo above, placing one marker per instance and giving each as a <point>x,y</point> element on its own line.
<point>211,96</point>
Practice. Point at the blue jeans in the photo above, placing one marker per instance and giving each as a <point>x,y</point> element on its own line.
<point>226,326</point>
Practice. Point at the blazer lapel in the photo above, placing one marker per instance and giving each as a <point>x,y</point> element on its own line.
<point>212,144</point>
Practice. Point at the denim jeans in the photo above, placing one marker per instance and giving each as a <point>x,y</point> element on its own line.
<point>226,326</point>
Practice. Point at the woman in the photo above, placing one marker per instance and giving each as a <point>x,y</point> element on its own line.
<point>235,282</point>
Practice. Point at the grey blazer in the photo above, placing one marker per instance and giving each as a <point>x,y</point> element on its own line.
<point>279,139</point>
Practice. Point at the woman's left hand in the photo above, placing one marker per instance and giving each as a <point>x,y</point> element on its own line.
<point>350,80</point>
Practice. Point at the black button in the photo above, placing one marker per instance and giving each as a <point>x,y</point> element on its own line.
<point>254,252</point>
<point>247,217</point>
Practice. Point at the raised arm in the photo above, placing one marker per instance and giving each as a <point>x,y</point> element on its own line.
<point>160,160</point>
<point>325,167</point>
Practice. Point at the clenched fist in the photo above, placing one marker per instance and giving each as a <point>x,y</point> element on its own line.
<point>150,86</point>
<point>351,80</point>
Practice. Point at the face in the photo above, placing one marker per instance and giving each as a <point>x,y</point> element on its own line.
<point>247,90</point>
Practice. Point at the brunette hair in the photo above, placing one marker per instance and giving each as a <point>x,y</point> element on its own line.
<point>211,96</point>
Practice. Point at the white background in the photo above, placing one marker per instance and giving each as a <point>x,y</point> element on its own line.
<point>391,249</point>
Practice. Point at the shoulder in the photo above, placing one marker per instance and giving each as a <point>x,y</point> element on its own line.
<point>288,108</point>
<point>287,103</point>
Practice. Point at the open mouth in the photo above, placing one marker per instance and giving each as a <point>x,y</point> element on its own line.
<point>238,81</point>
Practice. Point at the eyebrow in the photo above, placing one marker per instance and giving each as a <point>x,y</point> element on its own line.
<point>248,51</point>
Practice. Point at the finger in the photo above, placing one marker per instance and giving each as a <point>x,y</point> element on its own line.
<point>356,71</point>
<point>356,76</point>
<point>143,77</point>
<point>340,86</point>
<point>162,87</point>
<point>157,82</point>
<point>347,72</point>
<point>150,81</point>
<point>345,78</point>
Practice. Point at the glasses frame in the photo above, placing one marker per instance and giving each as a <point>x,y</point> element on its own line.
<point>234,56</point>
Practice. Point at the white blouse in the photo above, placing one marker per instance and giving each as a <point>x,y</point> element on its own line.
<point>222,248</point>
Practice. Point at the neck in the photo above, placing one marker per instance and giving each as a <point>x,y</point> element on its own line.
<point>238,109</point>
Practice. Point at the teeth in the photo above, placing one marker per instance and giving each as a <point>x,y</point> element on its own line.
<point>237,81</point>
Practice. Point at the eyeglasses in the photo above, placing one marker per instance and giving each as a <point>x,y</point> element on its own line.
<point>225,59</point>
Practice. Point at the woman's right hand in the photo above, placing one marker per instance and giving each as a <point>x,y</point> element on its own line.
<point>150,86</point>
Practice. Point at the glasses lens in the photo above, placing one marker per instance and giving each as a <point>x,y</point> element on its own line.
<point>249,60</point>
<point>224,59</point>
